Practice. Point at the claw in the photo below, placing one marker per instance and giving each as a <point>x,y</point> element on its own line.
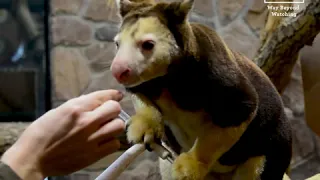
<point>148,147</point>
<point>126,126</point>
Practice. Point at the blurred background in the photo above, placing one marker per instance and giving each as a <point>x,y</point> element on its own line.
<point>24,77</point>
<point>51,51</point>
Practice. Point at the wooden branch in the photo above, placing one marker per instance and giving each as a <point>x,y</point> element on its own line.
<point>278,55</point>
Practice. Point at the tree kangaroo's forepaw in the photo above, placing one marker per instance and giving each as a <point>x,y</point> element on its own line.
<point>186,167</point>
<point>143,130</point>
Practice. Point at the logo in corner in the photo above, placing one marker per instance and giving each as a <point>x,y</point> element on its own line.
<point>284,8</point>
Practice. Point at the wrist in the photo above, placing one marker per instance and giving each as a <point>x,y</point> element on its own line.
<point>23,164</point>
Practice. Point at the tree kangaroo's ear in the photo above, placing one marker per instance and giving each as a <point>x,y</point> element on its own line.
<point>179,11</point>
<point>125,6</point>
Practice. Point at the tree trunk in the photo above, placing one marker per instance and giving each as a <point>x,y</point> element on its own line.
<point>279,53</point>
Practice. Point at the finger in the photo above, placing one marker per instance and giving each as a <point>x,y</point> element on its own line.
<point>108,131</point>
<point>108,147</point>
<point>93,100</point>
<point>104,113</point>
<point>104,95</point>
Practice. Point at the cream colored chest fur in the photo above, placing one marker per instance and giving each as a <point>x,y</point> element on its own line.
<point>184,125</point>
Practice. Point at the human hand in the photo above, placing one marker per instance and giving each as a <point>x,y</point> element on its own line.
<point>68,138</point>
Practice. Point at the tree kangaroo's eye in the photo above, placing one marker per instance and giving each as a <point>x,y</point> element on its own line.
<point>147,45</point>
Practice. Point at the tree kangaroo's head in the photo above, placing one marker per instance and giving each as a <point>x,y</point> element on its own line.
<point>150,38</point>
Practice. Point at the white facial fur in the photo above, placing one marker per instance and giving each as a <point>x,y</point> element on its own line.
<point>144,64</point>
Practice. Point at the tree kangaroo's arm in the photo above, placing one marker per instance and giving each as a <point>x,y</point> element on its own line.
<point>142,104</point>
<point>147,123</point>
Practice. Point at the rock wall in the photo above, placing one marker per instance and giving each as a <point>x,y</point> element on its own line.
<point>82,33</point>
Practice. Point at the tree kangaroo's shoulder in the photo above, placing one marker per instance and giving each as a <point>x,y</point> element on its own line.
<point>202,29</point>
<point>248,66</point>
<point>211,46</point>
<point>223,55</point>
